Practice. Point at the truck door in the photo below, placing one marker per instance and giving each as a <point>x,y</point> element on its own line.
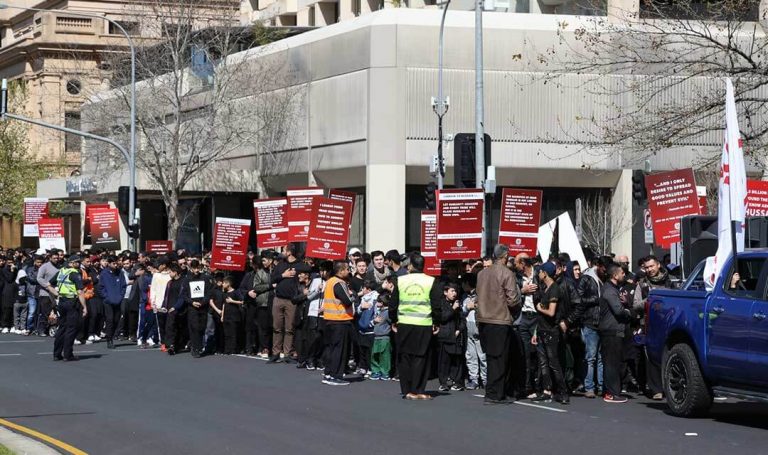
<point>729,315</point>
<point>758,341</point>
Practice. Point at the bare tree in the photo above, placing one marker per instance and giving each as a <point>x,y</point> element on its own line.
<point>599,225</point>
<point>658,75</point>
<point>208,94</point>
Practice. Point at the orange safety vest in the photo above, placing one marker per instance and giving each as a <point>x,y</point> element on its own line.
<point>333,309</point>
<point>88,289</point>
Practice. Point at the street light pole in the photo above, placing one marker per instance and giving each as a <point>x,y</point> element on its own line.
<point>441,106</point>
<point>131,158</point>
<point>479,113</point>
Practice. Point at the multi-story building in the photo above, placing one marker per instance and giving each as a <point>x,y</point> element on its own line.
<point>365,123</point>
<point>63,58</point>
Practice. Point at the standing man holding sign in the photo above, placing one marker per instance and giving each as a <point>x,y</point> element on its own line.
<point>69,289</point>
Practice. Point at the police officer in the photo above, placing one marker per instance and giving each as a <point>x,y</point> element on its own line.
<point>414,306</point>
<point>71,305</point>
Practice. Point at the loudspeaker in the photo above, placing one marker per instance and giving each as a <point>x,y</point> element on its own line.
<point>698,236</point>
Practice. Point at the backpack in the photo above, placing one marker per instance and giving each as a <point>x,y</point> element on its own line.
<point>365,321</point>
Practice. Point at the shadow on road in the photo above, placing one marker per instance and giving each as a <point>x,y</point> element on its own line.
<point>752,415</point>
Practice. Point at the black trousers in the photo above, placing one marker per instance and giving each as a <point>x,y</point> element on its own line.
<point>612,349</point>
<point>44,307</point>
<point>652,375</point>
<point>264,325</point>
<point>414,372</point>
<point>131,319</point>
<point>231,328</point>
<point>111,319</point>
<point>526,329</point>
<point>95,316</point>
<point>548,351</point>
<point>336,337</point>
<point>495,341</point>
<point>70,314</point>
<point>310,340</point>
<point>251,328</point>
<point>450,365</point>
<point>365,344</point>
<point>175,330</point>
<point>197,319</point>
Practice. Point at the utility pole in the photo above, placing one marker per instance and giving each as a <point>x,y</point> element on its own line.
<point>479,121</point>
<point>440,106</point>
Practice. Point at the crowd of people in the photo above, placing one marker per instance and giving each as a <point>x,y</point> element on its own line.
<point>519,327</point>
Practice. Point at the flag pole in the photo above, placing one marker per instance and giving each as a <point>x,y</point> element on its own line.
<point>734,223</point>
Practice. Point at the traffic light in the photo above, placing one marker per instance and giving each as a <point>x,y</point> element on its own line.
<point>464,159</point>
<point>123,199</point>
<point>638,186</point>
<point>133,231</point>
<point>429,196</point>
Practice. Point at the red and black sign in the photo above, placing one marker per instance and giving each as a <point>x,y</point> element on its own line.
<point>459,223</point>
<point>34,210</point>
<point>51,233</point>
<point>300,201</point>
<point>105,229</point>
<point>520,220</point>
<point>329,231</point>
<point>87,225</point>
<point>158,246</point>
<point>671,196</point>
<point>271,222</point>
<point>230,243</point>
<point>757,198</point>
<point>432,265</point>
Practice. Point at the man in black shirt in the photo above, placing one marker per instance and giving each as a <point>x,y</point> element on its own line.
<point>286,286</point>
<point>547,336</point>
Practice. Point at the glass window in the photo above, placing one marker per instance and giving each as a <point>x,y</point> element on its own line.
<point>745,284</point>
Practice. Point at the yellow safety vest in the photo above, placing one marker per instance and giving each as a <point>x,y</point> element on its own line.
<point>415,305</point>
<point>65,286</point>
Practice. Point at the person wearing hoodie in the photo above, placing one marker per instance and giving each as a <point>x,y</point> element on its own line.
<point>588,314</point>
<point>32,289</point>
<point>196,292</point>
<point>176,310</point>
<point>571,331</point>
<point>111,288</point>
<point>656,277</point>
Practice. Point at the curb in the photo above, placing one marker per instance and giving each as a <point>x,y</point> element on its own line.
<point>23,445</point>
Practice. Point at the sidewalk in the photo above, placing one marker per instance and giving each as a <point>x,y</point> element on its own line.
<point>23,445</point>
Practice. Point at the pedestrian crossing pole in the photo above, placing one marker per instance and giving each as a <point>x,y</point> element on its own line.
<point>479,113</point>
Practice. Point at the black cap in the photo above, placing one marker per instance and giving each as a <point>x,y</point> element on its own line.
<point>74,258</point>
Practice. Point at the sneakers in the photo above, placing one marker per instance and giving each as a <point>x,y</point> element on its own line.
<point>543,398</point>
<point>658,397</point>
<point>563,399</point>
<point>590,394</point>
<point>457,388</point>
<point>384,377</point>
<point>275,359</point>
<point>608,398</point>
<point>140,343</point>
<point>375,376</point>
<point>443,388</point>
<point>6,330</point>
<point>334,381</point>
<point>472,385</point>
<point>263,355</point>
<point>310,366</point>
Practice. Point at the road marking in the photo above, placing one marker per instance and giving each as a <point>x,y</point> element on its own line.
<point>8,355</point>
<point>42,437</point>
<point>76,352</point>
<point>249,357</point>
<point>691,434</point>
<point>24,341</point>
<point>540,406</point>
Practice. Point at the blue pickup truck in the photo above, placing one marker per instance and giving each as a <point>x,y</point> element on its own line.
<point>712,343</point>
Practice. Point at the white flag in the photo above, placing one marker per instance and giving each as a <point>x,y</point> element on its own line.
<point>732,192</point>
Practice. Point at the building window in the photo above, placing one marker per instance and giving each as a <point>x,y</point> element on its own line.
<point>72,142</point>
<point>132,28</point>
<point>74,87</point>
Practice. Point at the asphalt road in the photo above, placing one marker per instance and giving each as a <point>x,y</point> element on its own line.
<point>131,401</point>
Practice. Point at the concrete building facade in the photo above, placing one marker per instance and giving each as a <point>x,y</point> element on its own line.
<point>365,121</point>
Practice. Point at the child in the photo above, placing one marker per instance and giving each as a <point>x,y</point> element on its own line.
<point>20,305</point>
<point>231,316</point>
<point>381,354</point>
<point>366,311</point>
<point>214,339</point>
<point>450,340</point>
<point>475,356</point>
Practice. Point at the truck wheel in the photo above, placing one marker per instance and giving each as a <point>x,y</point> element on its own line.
<point>687,393</point>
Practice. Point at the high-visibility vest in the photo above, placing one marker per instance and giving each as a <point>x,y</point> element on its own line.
<point>87,288</point>
<point>415,306</point>
<point>333,309</point>
<point>64,284</point>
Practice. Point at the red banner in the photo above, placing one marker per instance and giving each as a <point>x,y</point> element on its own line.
<point>87,240</point>
<point>342,195</point>
<point>520,219</point>
<point>51,233</point>
<point>671,196</point>
<point>34,210</point>
<point>757,198</point>
<point>299,214</point>
<point>432,265</point>
<point>329,231</point>
<point>271,222</point>
<point>230,243</point>
<point>158,246</point>
<point>459,223</point>
<point>105,229</point>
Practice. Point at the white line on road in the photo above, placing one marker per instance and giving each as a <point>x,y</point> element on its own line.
<point>24,341</point>
<point>540,406</point>
<point>248,357</point>
<point>76,352</point>
<point>691,434</point>
<point>8,355</point>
